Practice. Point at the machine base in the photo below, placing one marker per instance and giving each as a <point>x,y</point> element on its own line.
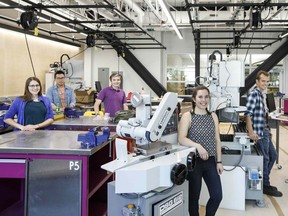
<point>172,202</point>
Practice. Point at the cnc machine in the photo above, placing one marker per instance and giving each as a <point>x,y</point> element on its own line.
<point>151,181</point>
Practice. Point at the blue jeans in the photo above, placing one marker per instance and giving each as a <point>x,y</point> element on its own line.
<point>206,170</point>
<point>269,153</point>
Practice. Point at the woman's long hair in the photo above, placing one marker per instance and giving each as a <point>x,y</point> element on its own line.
<point>194,94</point>
<point>27,95</point>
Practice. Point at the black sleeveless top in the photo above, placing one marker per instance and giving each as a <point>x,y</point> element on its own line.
<point>202,131</point>
<point>34,112</point>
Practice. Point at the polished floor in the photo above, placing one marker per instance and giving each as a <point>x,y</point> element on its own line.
<point>273,206</point>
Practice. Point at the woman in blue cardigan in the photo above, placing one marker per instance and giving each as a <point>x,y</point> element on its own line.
<point>33,110</point>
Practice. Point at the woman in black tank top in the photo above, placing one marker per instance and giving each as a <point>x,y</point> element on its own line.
<point>199,128</point>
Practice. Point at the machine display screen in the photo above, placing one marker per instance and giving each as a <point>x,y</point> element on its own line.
<point>270,102</point>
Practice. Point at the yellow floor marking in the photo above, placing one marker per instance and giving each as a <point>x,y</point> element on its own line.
<point>276,206</point>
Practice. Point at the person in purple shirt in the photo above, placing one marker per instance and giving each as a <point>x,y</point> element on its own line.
<point>33,110</point>
<point>113,97</point>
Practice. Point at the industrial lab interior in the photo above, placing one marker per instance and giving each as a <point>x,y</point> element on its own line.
<point>81,160</point>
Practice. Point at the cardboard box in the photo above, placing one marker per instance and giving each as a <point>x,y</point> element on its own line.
<point>85,96</point>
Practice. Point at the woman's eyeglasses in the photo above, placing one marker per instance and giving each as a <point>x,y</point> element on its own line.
<point>34,86</point>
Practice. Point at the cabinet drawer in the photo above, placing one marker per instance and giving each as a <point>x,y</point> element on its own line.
<point>12,168</point>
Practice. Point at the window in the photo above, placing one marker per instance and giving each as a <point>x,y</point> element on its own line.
<point>180,73</point>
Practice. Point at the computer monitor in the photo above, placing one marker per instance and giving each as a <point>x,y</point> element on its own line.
<point>98,86</point>
<point>229,117</point>
<point>270,101</point>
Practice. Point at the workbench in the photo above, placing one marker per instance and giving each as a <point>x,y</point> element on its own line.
<point>83,123</point>
<point>47,173</point>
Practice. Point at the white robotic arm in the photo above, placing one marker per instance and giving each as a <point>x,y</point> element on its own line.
<point>139,173</point>
<point>142,128</point>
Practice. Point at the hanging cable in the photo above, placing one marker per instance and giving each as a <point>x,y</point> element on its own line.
<point>118,64</point>
<point>61,61</point>
<point>77,53</point>
<point>249,46</point>
<point>30,57</point>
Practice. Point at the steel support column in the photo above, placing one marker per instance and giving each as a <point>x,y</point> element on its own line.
<point>197,54</point>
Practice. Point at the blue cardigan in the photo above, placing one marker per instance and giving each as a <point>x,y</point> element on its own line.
<point>18,107</point>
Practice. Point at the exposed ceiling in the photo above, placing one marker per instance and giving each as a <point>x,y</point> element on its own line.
<point>218,24</point>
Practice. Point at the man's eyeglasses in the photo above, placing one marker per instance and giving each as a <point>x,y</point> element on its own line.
<point>34,86</point>
<point>60,78</point>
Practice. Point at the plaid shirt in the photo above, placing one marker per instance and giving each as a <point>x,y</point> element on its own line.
<point>256,110</point>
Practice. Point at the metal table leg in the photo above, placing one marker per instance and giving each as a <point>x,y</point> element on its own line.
<point>277,144</point>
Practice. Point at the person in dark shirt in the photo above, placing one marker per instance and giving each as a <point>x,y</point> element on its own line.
<point>33,110</point>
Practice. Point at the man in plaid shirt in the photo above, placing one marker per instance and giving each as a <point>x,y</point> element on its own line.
<point>259,132</point>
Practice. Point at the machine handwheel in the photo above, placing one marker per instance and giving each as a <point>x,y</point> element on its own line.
<point>178,174</point>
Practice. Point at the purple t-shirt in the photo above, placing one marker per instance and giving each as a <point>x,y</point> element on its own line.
<point>113,99</point>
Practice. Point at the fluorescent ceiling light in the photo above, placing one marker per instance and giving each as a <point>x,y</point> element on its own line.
<point>165,9</point>
<point>283,35</point>
<point>44,19</point>
<point>4,4</point>
<point>20,10</point>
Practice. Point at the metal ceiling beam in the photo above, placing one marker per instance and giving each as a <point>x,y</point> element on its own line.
<point>237,4</point>
<point>79,26</point>
<point>39,35</point>
<point>232,43</point>
<point>40,6</point>
<point>122,31</point>
<point>228,38</point>
<point>197,56</point>
<point>267,65</point>
<point>75,21</point>
<point>218,30</point>
<point>236,21</point>
<point>224,47</point>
